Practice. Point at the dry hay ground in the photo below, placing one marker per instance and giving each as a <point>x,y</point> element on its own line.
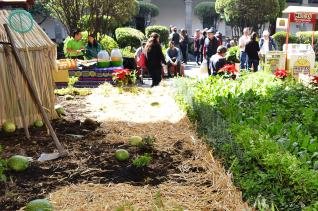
<point>182,175</point>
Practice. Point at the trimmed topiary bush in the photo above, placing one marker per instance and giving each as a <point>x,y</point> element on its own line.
<point>108,43</point>
<point>305,37</point>
<point>145,8</point>
<point>280,39</point>
<point>129,37</point>
<point>161,30</point>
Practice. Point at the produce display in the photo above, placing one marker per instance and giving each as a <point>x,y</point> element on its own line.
<point>39,205</point>
<point>18,163</point>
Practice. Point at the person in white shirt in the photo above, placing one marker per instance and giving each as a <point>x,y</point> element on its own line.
<point>244,39</point>
<point>266,44</point>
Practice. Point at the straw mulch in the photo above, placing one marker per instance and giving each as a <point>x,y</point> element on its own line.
<point>38,54</point>
<point>200,182</point>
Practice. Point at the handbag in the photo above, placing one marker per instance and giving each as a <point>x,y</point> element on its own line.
<point>142,63</point>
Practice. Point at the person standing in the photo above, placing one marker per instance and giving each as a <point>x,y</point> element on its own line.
<point>175,37</point>
<point>266,44</point>
<point>252,49</point>
<point>196,46</point>
<point>202,39</point>
<point>244,39</point>
<point>155,58</point>
<point>211,44</point>
<point>184,41</point>
<point>173,58</point>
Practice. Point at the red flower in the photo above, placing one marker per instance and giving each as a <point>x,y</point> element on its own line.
<point>280,73</point>
<point>121,74</point>
<point>314,79</point>
<point>229,68</point>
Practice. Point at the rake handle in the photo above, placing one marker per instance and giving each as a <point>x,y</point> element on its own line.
<point>34,94</point>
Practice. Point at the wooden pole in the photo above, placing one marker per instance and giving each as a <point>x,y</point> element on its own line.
<point>34,94</point>
<point>21,108</point>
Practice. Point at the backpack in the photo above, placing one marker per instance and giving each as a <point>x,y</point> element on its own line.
<point>142,63</point>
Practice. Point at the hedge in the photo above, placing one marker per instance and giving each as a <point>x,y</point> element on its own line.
<point>108,43</point>
<point>280,39</point>
<point>161,30</point>
<point>305,37</point>
<point>129,37</point>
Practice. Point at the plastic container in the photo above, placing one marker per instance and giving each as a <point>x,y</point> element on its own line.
<point>300,59</point>
<point>116,58</point>
<point>103,59</point>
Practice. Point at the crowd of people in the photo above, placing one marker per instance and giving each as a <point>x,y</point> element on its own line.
<point>207,46</point>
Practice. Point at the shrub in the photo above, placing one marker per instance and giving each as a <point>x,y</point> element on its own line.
<point>305,37</point>
<point>161,30</point>
<point>129,37</point>
<point>280,39</point>
<point>108,43</point>
<point>233,54</point>
<point>146,8</point>
<point>142,161</point>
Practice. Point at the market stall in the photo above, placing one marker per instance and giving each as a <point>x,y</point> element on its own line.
<point>300,58</point>
<point>90,73</point>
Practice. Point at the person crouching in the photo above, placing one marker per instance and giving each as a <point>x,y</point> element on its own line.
<point>218,60</point>
<point>173,57</point>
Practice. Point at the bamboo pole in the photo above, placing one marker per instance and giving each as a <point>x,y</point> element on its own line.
<point>21,109</point>
<point>62,151</point>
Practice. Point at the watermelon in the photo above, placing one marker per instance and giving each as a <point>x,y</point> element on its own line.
<point>8,127</point>
<point>135,141</point>
<point>39,205</point>
<point>59,110</point>
<point>121,154</point>
<point>18,163</point>
<point>38,123</point>
<point>69,97</point>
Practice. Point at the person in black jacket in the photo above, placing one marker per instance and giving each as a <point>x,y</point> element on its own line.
<point>155,58</point>
<point>202,39</point>
<point>211,44</point>
<point>184,41</point>
<point>252,49</point>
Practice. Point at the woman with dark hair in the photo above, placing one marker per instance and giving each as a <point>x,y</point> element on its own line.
<point>252,49</point>
<point>92,47</point>
<point>155,58</point>
<point>184,41</point>
<point>75,46</point>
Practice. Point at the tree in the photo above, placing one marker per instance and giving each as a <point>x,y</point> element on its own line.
<point>39,12</point>
<point>248,13</point>
<point>99,16</point>
<point>207,14</point>
<point>146,12</point>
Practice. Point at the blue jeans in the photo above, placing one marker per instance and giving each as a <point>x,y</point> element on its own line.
<point>243,60</point>
<point>254,62</point>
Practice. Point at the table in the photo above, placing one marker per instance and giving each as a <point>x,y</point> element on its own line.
<point>88,77</point>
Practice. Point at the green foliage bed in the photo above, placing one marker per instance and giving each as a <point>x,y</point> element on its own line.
<point>265,130</point>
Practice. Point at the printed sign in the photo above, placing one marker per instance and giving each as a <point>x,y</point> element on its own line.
<point>302,17</point>
<point>302,65</point>
<point>281,23</point>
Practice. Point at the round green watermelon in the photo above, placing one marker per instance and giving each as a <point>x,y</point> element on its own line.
<point>18,163</point>
<point>122,154</point>
<point>39,205</point>
<point>38,123</point>
<point>8,127</point>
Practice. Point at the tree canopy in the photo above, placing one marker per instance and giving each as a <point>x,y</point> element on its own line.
<point>99,16</point>
<point>249,13</point>
<point>206,13</point>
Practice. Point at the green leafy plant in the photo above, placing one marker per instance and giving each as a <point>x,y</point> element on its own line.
<point>146,8</point>
<point>280,39</point>
<point>233,55</point>
<point>142,161</point>
<point>266,140</point>
<point>108,43</point>
<point>3,167</point>
<point>129,37</point>
<point>163,32</point>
